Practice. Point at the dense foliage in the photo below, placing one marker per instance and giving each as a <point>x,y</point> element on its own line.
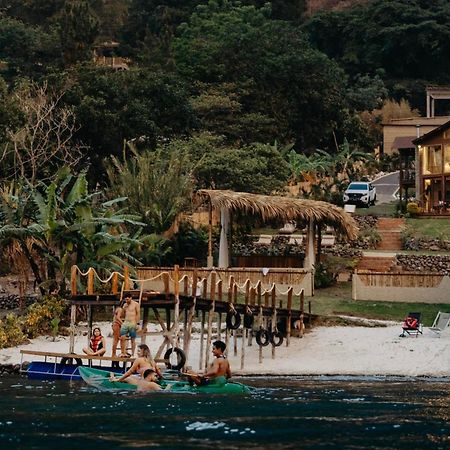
<point>213,94</point>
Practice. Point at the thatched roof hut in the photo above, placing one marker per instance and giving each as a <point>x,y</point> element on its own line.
<point>270,207</point>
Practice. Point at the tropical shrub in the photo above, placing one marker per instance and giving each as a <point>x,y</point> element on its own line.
<point>412,208</point>
<point>38,319</point>
<point>11,331</point>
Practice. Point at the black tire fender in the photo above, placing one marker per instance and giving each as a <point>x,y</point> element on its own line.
<point>276,339</point>
<point>263,337</point>
<point>233,320</point>
<point>248,319</point>
<point>67,360</point>
<point>180,355</point>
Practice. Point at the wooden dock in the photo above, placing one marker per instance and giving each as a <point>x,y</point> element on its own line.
<point>235,312</point>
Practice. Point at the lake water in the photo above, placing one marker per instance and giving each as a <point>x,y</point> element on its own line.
<point>282,413</point>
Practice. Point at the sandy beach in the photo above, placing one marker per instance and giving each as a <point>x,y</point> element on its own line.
<point>331,350</point>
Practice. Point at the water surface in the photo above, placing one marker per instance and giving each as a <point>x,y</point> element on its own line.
<point>282,413</point>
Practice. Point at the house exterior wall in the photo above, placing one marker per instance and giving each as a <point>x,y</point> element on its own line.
<point>390,132</point>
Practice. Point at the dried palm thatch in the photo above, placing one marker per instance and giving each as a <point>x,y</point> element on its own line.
<point>281,208</point>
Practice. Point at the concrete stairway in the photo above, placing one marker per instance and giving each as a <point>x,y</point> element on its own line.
<point>378,263</point>
<point>390,231</point>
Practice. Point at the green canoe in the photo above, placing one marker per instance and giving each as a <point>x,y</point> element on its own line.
<point>100,379</point>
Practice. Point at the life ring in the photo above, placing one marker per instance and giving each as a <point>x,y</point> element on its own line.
<point>248,319</point>
<point>233,320</point>
<point>181,358</point>
<point>263,337</point>
<point>276,339</point>
<point>69,360</point>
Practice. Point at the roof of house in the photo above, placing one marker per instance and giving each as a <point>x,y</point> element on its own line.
<point>282,208</point>
<point>418,121</point>
<point>403,142</point>
<point>432,133</point>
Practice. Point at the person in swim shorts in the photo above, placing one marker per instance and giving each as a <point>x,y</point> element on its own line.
<point>129,325</point>
<point>218,372</point>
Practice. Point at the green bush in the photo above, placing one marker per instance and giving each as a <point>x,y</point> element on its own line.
<point>38,319</point>
<point>324,276</point>
<point>412,208</point>
<point>11,331</point>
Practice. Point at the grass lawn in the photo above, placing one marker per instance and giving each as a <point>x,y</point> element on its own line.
<point>429,227</point>
<point>383,210</point>
<point>337,300</point>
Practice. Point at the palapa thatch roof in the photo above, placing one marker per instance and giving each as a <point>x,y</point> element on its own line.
<point>281,208</point>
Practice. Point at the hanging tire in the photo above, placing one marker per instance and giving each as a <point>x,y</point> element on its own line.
<point>67,360</point>
<point>181,358</point>
<point>276,339</point>
<point>233,320</point>
<point>248,320</point>
<point>263,337</point>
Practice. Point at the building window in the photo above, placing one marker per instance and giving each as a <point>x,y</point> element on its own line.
<point>447,159</point>
<point>432,159</point>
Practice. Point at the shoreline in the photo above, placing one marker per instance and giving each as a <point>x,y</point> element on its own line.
<point>324,351</point>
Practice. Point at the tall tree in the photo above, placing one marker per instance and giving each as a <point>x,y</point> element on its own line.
<point>78,29</point>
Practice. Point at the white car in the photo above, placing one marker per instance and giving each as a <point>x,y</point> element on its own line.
<point>360,193</point>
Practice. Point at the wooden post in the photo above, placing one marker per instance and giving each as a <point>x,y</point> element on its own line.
<point>260,323</point>
<point>244,330</point>
<point>289,316</point>
<point>144,325</point>
<point>115,283</point>
<point>274,316</point>
<point>210,262</point>
<point>219,319</point>
<point>202,334</point>
<point>126,278</point>
<point>73,280</point>
<point>176,314</point>
<point>73,319</point>
<point>90,287</point>
<point>252,303</point>
<point>235,295</point>
<point>186,285</point>
<point>210,316</point>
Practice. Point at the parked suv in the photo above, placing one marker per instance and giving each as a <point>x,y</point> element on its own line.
<point>360,193</point>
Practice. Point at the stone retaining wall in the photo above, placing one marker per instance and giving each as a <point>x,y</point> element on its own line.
<point>12,301</point>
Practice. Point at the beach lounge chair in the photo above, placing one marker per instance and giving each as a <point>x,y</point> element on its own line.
<point>441,322</point>
<point>412,325</point>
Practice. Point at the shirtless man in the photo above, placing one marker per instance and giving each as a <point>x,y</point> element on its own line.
<point>129,325</point>
<point>219,371</point>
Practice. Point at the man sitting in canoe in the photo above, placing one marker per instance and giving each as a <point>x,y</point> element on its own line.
<point>218,372</point>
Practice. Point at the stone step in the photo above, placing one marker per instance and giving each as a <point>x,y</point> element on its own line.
<point>376,263</point>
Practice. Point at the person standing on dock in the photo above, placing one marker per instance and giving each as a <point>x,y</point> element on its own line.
<point>218,372</point>
<point>129,325</point>
<point>116,325</point>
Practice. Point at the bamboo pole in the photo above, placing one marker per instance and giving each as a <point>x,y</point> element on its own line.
<point>126,278</point>
<point>252,303</point>
<point>260,323</point>
<point>210,316</point>
<point>115,283</point>
<point>274,317</point>
<point>90,286</point>
<point>73,319</point>
<point>289,316</point>
<point>202,333</point>
<point>176,314</point>
<point>235,294</point>
<point>73,280</point>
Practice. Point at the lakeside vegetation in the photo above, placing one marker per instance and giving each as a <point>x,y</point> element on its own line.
<point>96,163</point>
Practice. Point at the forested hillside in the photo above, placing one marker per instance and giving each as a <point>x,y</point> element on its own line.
<point>240,95</point>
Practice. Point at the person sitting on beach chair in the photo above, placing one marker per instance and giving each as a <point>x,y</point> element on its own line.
<point>411,324</point>
<point>218,372</point>
<point>97,344</point>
